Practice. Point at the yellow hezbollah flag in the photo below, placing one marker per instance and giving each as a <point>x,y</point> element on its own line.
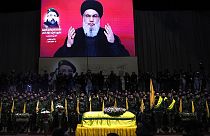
<point>52,106</point>
<point>152,94</point>
<point>193,107</point>
<point>126,103</point>
<point>66,109</point>
<point>207,109</point>
<point>78,105</point>
<point>13,106</point>
<point>24,107</point>
<point>115,102</point>
<point>1,107</point>
<point>180,105</point>
<point>103,105</point>
<point>142,107</point>
<point>90,100</point>
<point>37,106</point>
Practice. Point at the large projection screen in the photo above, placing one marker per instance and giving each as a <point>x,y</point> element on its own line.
<point>117,13</point>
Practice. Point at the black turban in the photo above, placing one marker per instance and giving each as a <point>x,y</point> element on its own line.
<point>52,10</point>
<point>65,62</point>
<point>92,4</point>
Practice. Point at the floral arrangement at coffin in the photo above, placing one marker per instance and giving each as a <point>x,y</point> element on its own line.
<point>22,115</point>
<point>114,111</point>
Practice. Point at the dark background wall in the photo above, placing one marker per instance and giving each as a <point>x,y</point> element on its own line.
<point>167,37</point>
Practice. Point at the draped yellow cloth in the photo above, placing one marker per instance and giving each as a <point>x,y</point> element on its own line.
<point>99,119</point>
<point>103,131</point>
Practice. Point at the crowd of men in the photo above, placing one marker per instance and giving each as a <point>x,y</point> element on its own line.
<point>181,99</point>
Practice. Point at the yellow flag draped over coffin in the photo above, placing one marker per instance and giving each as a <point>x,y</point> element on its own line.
<point>99,119</point>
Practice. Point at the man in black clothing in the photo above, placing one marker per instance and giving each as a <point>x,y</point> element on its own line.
<point>91,39</point>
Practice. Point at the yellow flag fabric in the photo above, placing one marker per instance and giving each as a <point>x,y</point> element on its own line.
<point>193,107</point>
<point>13,106</point>
<point>37,106</point>
<point>152,94</point>
<point>103,105</point>
<point>115,102</point>
<point>160,100</point>
<point>180,105</point>
<point>1,107</point>
<point>24,107</point>
<point>126,103</point>
<point>66,107</point>
<point>52,106</point>
<point>100,120</point>
<point>90,101</point>
<point>170,107</point>
<point>207,109</point>
<point>78,105</point>
<point>142,107</point>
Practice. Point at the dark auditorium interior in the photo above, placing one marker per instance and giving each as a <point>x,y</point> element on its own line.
<point>166,94</point>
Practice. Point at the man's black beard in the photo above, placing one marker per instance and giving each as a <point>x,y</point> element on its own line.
<point>52,25</point>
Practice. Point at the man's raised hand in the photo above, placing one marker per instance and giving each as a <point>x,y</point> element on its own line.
<point>71,35</point>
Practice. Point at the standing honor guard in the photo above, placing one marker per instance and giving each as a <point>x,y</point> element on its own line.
<point>171,112</point>
<point>71,104</point>
<point>158,110</point>
<point>4,113</point>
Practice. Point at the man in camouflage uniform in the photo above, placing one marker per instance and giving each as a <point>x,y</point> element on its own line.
<point>43,120</point>
<point>72,114</point>
<point>31,109</point>
<point>111,100</point>
<point>159,111</point>
<point>60,112</point>
<point>132,104</point>
<point>171,111</point>
<point>121,101</point>
<point>207,114</point>
<point>144,117</point>
<point>95,103</point>
<point>83,106</point>
<point>5,114</point>
<point>18,109</point>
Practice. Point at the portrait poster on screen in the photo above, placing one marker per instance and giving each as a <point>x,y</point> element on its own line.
<point>58,16</point>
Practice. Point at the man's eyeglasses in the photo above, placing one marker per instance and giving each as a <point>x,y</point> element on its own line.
<point>93,16</point>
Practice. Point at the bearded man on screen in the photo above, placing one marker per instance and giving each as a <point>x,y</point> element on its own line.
<point>91,39</point>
